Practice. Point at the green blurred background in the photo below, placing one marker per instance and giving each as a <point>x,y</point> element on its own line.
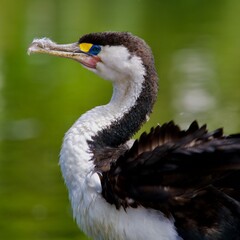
<point>196,44</point>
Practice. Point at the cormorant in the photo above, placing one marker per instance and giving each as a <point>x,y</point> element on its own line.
<point>168,184</point>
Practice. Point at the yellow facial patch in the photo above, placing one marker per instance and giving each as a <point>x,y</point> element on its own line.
<point>85,47</point>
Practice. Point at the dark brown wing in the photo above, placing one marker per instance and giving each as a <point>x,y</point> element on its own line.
<point>192,175</point>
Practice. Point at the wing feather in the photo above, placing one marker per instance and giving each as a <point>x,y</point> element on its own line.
<point>192,175</point>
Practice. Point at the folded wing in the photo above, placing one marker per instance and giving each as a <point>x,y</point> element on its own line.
<point>192,175</point>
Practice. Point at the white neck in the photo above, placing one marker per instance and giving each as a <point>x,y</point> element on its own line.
<point>75,157</point>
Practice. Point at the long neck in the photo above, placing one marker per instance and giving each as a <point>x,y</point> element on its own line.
<point>107,126</point>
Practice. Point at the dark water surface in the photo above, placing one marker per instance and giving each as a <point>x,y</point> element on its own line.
<point>197,52</point>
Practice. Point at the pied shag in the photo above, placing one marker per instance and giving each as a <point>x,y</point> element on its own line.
<point>168,184</point>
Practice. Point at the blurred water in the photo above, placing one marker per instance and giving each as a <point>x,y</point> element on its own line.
<point>197,53</point>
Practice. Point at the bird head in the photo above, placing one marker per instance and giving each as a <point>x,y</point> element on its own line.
<point>112,55</point>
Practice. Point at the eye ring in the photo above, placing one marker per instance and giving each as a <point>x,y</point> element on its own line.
<point>95,49</point>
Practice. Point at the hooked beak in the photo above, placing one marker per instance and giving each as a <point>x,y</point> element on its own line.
<point>72,51</point>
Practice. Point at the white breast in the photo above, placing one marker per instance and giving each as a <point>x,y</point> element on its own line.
<point>101,220</point>
<point>94,215</point>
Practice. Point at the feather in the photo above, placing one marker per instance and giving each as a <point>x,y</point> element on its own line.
<point>192,175</point>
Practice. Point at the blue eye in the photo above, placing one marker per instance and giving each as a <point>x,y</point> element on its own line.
<point>95,49</point>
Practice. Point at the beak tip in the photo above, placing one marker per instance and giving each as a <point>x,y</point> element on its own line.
<point>39,45</point>
<point>30,50</point>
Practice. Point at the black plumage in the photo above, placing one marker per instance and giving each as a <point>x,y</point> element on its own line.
<point>192,175</point>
